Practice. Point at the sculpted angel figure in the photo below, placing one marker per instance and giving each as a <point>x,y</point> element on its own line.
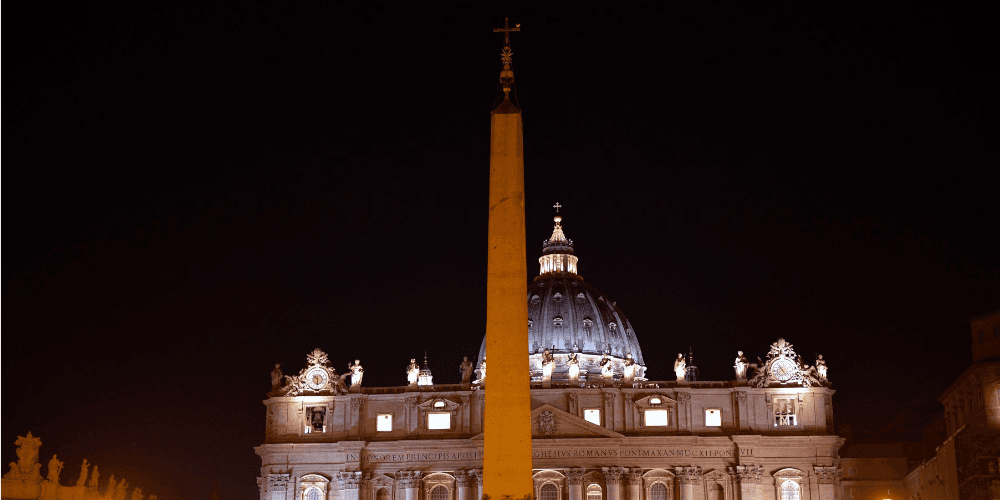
<point>276,377</point>
<point>821,367</point>
<point>574,367</point>
<point>741,366</point>
<point>548,363</point>
<point>356,372</point>
<point>607,368</point>
<point>55,468</point>
<point>413,372</point>
<point>680,367</point>
<point>465,369</point>
<point>628,374</point>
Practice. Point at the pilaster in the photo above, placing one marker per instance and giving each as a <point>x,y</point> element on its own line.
<point>574,479</point>
<point>690,479</point>
<point>409,481</point>
<point>826,477</point>
<point>277,482</point>
<point>748,477</point>
<point>633,482</point>
<point>349,483</point>
<point>684,411</point>
<point>465,482</point>
<point>613,480</point>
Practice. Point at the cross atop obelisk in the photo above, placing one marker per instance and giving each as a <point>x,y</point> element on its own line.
<point>506,31</point>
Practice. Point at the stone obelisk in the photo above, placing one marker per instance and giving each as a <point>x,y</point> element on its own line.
<point>507,459</point>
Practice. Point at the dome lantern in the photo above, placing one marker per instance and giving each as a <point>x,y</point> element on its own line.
<point>557,252</point>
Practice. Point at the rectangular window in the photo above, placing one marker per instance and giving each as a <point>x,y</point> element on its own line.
<point>592,416</point>
<point>784,412</point>
<point>656,418</point>
<point>713,417</point>
<point>315,419</point>
<point>438,421</point>
<point>384,422</point>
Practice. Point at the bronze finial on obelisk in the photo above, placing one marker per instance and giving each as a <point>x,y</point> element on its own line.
<point>507,438</point>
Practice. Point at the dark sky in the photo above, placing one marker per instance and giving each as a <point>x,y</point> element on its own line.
<point>196,193</point>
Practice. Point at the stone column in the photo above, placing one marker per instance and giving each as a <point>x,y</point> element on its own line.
<point>690,478</point>
<point>633,480</point>
<point>465,482</point>
<point>748,477</point>
<point>827,479</point>
<point>574,479</point>
<point>410,482</point>
<point>613,480</point>
<point>349,483</point>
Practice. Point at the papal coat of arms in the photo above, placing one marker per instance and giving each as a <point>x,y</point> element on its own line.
<point>546,423</point>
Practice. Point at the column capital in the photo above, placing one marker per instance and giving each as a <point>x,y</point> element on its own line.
<point>613,475</point>
<point>688,475</point>
<point>408,478</point>
<point>747,474</point>
<point>633,476</point>
<point>348,480</point>
<point>826,475</point>
<point>278,482</point>
<point>465,479</point>
<point>575,475</point>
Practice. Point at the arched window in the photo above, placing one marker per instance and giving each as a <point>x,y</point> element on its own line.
<point>440,492</point>
<point>549,492</point>
<point>657,492</point>
<point>790,490</point>
<point>314,494</point>
<point>383,494</point>
<point>594,492</point>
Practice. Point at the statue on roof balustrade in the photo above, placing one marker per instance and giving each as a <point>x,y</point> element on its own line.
<point>607,368</point>
<point>680,367</point>
<point>548,363</point>
<point>574,367</point>
<point>55,468</point>
<point>630,370</point>
<point>740,366</point>
<point>27,466</point>
<point>356,372</point>
<point>465,369</point>
<point>413,372</point>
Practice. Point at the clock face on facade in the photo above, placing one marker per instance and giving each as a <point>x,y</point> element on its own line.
<point>783,370</point>
<point>317,378</point>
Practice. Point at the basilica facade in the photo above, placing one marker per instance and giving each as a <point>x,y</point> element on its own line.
<point>601,430</point>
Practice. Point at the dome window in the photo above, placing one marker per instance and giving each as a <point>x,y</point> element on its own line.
<point>613,326</point>
<point>557,321</point>
<point>534,299</point>
<point>580,298</point>
<point>588,323</point>
<point>529,323</point>
<point>557,297</point>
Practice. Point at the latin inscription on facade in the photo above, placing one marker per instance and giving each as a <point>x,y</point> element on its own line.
<point>579,453</point>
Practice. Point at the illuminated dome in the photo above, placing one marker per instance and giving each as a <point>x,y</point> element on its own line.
<point>566,315</point>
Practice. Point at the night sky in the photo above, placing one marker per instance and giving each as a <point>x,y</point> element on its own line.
<point>196,193</point>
